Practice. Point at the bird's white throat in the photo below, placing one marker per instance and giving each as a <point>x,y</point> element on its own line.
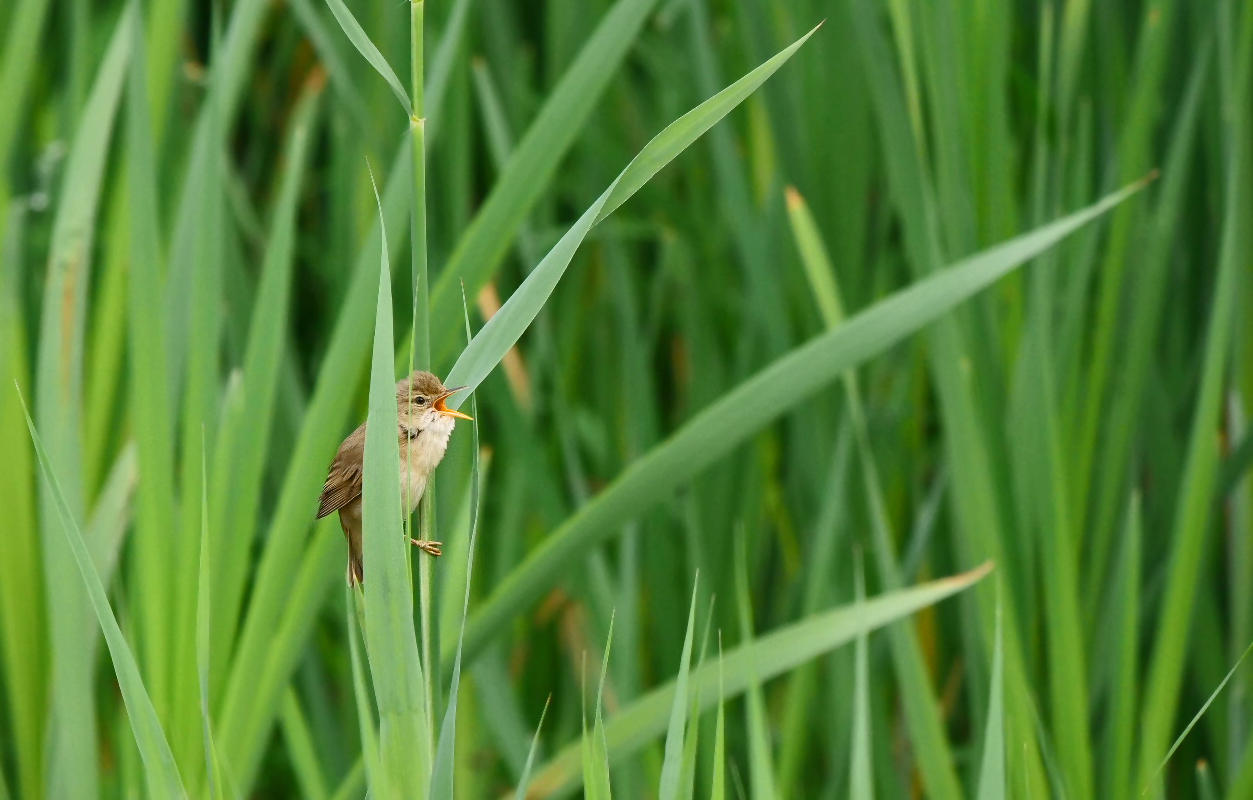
<point>422,454</point>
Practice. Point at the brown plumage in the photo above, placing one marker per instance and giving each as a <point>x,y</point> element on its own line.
<point>424,425</point>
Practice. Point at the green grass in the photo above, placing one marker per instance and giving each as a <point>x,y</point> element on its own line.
<point>742,289</point>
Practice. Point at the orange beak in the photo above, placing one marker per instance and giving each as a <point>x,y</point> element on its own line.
<point>443,409</point>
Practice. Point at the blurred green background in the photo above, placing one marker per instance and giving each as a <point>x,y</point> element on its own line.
<point>189,245</point>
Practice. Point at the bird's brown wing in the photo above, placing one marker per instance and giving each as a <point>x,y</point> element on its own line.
<point>343,480</point>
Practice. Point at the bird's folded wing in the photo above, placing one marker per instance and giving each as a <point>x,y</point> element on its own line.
<point>343,480</point>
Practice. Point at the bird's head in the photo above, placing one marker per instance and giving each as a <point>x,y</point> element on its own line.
<point>420,401</point>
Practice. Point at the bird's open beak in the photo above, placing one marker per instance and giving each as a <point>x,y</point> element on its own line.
<point>443,409</point>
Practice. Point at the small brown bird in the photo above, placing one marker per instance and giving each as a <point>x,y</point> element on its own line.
<point>425,425</point>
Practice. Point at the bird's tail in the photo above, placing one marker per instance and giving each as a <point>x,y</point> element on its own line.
<point>356,572</point>
<point>352,532</point>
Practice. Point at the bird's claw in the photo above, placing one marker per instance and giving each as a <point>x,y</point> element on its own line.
<point>433,548</point>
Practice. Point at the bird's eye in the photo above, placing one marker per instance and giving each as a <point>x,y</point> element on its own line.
<point>421,401</point>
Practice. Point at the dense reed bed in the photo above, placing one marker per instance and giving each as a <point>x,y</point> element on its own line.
<point>861,392</point>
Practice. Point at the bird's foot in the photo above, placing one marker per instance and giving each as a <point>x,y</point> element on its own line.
<point>429,547</point>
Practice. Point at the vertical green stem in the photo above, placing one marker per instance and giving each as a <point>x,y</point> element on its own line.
<point>421,332</point>
<point>420,347</point>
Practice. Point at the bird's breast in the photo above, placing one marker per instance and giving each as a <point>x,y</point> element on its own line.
<point>412,485</point>
<point>419,456</point>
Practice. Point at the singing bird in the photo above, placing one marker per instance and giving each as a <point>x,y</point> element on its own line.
<point>425,424</point>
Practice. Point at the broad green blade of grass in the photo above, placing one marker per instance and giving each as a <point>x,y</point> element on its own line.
<point>691,739</point>
<point>23,626</point>
<point>480,250</point>
<point>420,357</point>
<point>671,768</point>
<point>1195,504</point>
<point>21,49</point>
<point>1242,781</point>
<point>1205,781</point>
<point>453,584</point>
<point>1207,656</point>
<point>1076,288</point>
<point>861,785</point>
<point>150,406</point>
<point>200,405</point>
<point>442,771</point>
<point>1122,655</point>
<point>404,749</point>
<point>359,39</point>
<point>768,656</point>
<point>301,747</point>
<point>814,258</point>
<point>1041,464</point>
<point>71,762</point>
<point>1138,127</point>
<point>1238,493</point>
<point>247,713</point>
<point>165,24</point>
<point>203,620</point>
<point>226,446</point>
<point>762,783</point>
<point>596,747</point>
<point>105,339</point>
<point>1074,29</point>
<point>591,783</point>
<point>161,772</point>
<point>240,455</point>
<point>829,525</point>
<point>353,785</point>
<point>184,243</point>
<point>365,713</point>
<point>922,714</point>
<point>1039,470</point>
<point>499,135</point>
<point>992,783</point>
<point>318,573</point>
<point>1148,297</point>
<point>735,416</point>
<point>1241,571</point>
<point>111,516</point>
<point>718,782</point>
<point>504,329</point>
<point>436,83</point>
<point>1238,465</point>
<point>507,725</point>
<point>525,781</point>
<point>232,62</point>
